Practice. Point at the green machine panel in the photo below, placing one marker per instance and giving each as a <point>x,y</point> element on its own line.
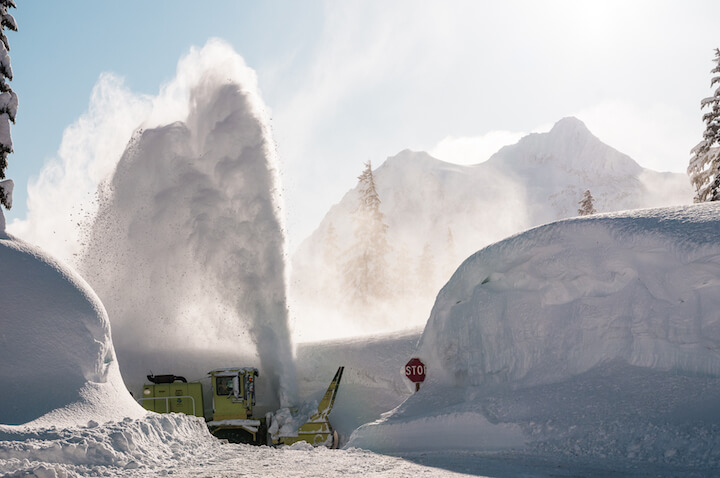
<point>178,397</point>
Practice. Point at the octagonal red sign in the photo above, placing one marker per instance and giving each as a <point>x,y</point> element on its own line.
<point>415,370</point>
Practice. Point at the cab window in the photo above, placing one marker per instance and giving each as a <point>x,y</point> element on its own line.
<point>224,385</point>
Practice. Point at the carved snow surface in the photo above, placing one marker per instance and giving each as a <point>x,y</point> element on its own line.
<point>58,361</point>
<point>555,301</point>
<point>586,343</point>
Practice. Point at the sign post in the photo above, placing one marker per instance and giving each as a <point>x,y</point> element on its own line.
<point>415,372</point>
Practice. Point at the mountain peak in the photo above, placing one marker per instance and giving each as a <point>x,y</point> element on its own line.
<point>569,124</point>
<point>569,146</point>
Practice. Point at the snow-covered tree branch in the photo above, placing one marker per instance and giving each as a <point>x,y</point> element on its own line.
<point>704,167</point>
<point>8,100</point>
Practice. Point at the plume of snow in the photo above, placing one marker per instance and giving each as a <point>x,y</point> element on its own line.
<point>187,251</point>
<point>63,195</point>
<point>170,207</point>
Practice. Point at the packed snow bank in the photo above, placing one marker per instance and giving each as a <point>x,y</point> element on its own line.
<point>555,301</point>
<point>58,361</point>
<point>614,420</point>
<point>187,251</point>
<point>113,447</point>
<point>590,342</point>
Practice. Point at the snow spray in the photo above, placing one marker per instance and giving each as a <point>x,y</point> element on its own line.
<point>187,251</point>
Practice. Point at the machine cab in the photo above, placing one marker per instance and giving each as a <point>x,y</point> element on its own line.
<point>233,393</point>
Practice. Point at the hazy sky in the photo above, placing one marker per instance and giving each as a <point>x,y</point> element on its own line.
<point>351,81</point>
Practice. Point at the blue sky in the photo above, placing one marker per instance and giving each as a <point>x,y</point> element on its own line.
<point>62,48</point>
<point>352,81</point>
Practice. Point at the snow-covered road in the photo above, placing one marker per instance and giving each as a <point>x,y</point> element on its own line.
<point>301,461</point>
<point>179,447</point>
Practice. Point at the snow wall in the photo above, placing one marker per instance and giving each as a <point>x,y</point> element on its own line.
<point>595,336</point>
<point>187,251</point>
<point>557,300</point>
<point>58,362</point>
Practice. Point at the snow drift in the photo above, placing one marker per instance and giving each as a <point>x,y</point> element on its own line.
<point>187,249</point>
<point>593,340</point>
<point>559,299</point>
<point>58,361</point>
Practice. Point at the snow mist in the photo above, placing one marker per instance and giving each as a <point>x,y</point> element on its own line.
<point>187,251</point>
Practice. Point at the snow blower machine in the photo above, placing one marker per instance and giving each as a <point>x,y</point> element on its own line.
<point>233,402</point>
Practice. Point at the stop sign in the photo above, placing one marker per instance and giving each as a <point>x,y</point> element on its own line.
<point>415,370</point>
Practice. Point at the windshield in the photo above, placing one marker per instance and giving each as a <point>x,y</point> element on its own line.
<point>223,385</point>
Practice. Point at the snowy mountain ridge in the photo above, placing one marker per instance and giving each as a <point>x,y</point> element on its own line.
<point>570,146</point>
<point>447,211</point>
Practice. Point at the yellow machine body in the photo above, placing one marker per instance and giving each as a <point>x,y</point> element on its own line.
<point>233,393</point>
<point>178,397</point>
<point>317,429</point>
<point>233,401</point>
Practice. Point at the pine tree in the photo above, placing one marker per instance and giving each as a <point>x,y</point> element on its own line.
<point>587,206</point>
<point>8,100</point>
<point>704,167</point>
<point>366,271</point>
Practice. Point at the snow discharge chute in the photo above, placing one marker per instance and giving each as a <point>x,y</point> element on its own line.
<point>187,251</point>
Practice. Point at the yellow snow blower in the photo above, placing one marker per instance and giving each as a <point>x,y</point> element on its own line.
<point>233,399</point>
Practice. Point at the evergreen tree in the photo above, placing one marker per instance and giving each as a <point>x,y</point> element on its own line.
<point>366,271</point>
<point>587,204</point>
<point>8,100</point>
<point>704,167</point>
